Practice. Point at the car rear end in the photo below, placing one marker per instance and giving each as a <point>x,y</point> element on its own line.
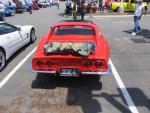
<point>8,11</point>
<point>69,65</point>
<point>72,61</point>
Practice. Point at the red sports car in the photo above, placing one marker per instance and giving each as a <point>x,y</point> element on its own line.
<point>72,48</point>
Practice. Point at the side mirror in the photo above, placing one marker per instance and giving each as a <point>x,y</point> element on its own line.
<point>19,28</point>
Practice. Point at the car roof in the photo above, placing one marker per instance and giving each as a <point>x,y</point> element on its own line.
<point>82,21</point>
<point>76,23</point>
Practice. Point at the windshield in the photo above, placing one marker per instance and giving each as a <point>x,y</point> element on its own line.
<point>6,28</point>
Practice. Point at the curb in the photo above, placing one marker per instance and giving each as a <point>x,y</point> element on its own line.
<point>116,15</point>
<point>107,16</point>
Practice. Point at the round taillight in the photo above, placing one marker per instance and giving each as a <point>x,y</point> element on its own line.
<point>88,64</point>
<point>49,63</point>
<point>40,63</point>
<point>98,64</point>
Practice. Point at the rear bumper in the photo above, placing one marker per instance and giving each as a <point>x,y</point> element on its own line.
<point>82,72</point>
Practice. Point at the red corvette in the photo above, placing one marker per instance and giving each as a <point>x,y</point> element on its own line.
<point>73,48</point>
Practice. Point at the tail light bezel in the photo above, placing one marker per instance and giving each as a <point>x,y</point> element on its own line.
<point>40,63</point>
<point>49,63</point>
<point>88,64</point>
<point>100,64</point>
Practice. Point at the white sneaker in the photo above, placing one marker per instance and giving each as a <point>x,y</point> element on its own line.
<point>133,34</point>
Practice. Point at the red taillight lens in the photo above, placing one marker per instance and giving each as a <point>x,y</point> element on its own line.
<point>49,63</point>
<point>98,64</point>
<point>88,64</point>
<point>40,63</point>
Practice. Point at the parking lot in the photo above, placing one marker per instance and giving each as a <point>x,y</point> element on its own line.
<point>125,90</point>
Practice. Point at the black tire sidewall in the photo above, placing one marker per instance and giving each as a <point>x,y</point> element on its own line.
<point>31,38</point>
<point>1,50</point>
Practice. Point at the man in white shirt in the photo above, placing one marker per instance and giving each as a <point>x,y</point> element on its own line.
<point>2,13</point>
<point>137,16</point>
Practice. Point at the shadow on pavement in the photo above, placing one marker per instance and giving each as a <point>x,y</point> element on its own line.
<point>79,90</point>
<point>142,37</point>
<point>128,31</point>
<point>145,33</point>
<point>61,14</point>
<point>139,98</point>
<point>80,93</point>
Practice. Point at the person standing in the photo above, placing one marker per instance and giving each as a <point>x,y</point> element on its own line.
<point>83,10</point>
<point>137,16</point>
<point>2,13</point>
<point>100,5</point>
<point>68,7</point>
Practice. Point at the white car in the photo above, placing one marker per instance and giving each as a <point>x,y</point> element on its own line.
<point>13,38</point>
<point>43,3</point>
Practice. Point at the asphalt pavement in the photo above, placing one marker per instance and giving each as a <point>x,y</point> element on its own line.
<point>27,92</point>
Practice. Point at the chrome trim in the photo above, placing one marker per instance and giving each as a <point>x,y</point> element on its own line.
<point>109,71</point>
<point>39,71</point>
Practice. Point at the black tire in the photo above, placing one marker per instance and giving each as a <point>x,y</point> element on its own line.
<point>2,59</point>
<point>100,85</point>
<point>32,35</point>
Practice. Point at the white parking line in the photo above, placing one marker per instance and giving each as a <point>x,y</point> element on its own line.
<point>123,89</point>
<point>3,82</point>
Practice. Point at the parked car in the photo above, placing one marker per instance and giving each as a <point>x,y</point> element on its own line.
<point>43,3</point>
<point>13,38</point>
<point>128,5</point>
<point>19,6</point>
<point>72,48</point>
<point>90,7</point>
<point>35,5</point>
<point>10,4</point>
<point>27,5</point>
<point>8,11</point>
<point>2,12</point>
<point>2,17</point>
<point>55,2</point>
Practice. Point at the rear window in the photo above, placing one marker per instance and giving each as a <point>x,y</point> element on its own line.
<point>74,30</point>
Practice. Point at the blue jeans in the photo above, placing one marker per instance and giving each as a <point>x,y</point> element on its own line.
<point>137,27</point>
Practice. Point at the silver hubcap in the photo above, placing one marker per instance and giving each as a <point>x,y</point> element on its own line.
<point>2,60</point>
<point>33,35</point>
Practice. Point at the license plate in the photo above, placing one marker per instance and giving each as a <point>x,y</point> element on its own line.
<point>69,72</point>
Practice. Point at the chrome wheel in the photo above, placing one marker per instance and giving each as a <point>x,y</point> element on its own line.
<point>32,36</point>
<point>2,60</point>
